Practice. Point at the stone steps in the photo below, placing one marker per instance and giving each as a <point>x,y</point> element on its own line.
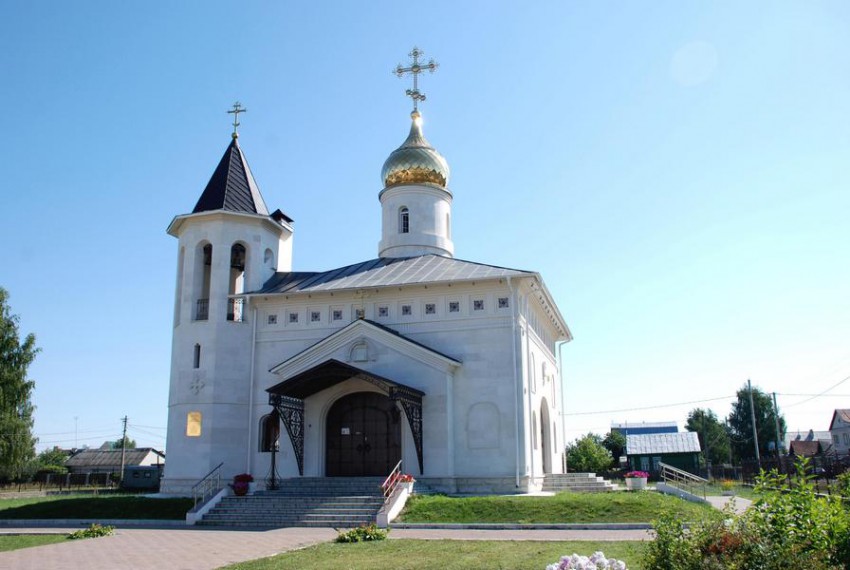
<point>576,483</point>
<point>303,501</point>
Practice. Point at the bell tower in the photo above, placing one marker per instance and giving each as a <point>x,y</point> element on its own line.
<point>228,245</point>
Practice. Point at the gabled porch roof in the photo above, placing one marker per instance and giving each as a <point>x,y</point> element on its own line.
<point>330,373</point>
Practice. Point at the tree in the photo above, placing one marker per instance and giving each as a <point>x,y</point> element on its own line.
<point>741,427</point>
<point>615,443</point>
<point>52,461</point>
<point>17,446</point>
<point>713,437</point>
<point>587,455</point>
<point>131,443</point>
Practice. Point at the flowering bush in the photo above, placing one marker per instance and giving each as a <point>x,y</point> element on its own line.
<point>406,478</point>
<point>363,533</point>
<point>597,561</point>
<point>637,475</point>
<point>243,478</point>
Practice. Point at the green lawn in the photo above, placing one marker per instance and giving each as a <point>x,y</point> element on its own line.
<point>14,542</point>
<point>561,508</point>
<point>94,507</point>
<point>441,555</point>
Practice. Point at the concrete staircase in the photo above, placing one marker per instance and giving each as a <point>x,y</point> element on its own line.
<point>576,483</point>
<point>337,502</point>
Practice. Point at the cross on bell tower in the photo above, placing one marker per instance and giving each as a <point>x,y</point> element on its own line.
<point>237,108</point>
<point>415,69</point>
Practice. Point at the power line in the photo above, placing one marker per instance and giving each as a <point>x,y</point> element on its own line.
<point>650,407</point>
<point>837,384</point>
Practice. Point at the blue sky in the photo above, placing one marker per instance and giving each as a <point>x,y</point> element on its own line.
<point>676,171</point>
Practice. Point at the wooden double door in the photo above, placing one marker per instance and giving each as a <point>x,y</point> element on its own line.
<point>363,436</point>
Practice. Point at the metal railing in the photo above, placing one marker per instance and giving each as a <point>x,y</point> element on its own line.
<point>208,486</point>
<point>683,480</point>
<point>391,482</point>
<point>202,309</point>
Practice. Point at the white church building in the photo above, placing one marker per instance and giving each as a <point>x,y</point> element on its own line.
<point>413,355</point>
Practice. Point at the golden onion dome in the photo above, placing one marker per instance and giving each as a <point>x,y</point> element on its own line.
<point>415,161</point>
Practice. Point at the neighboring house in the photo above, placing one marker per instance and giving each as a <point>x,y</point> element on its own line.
<point>109,461</point>
<point>803,448</point>
<point>642,428</point>
<point>839,429</point>
<point>680,450</point>
<point>810,435</point>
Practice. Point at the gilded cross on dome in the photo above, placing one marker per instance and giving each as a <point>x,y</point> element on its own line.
<point>237,108</point>
<point>415,69</point>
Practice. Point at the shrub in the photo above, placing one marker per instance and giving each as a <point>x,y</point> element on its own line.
<point>363,533</point>
<point>93,531</point>
<point>587,454</point>
<point>789,526</point>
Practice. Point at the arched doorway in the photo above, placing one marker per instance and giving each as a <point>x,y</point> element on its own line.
<point>363,436</point>
<point>545,437</point>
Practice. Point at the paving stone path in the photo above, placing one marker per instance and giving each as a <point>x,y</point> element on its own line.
<point>206,549</point>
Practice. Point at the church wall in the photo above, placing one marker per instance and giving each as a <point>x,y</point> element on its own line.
<point>541,389</point>
<point>482,387</point>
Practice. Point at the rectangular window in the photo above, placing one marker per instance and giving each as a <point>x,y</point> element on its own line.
<point>272,319</point>
<point>454,307</point>
<point>503,302</point>
<point>193,424</point>
<point>359,313</point>
<point>293,317</point>
<point>478,305</point>
<point>383,311</point>
<point>337,315</point>
<point>406,310</point>
<point>315,316</point>
<point>430,309</point>
<point>196,362</point>
<point>846,438</point>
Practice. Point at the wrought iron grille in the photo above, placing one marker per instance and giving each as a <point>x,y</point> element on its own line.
<point>202,310</point>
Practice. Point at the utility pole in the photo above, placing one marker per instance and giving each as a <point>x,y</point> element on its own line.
<point>753,417</point>
<point>123,448</point>
<point>776,422</point>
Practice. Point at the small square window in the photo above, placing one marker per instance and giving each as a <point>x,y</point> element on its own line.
<point>503,302</point>
<point>383,311</point>
<point>359,313</point>
<point>293,317</point>
<point>315,316</point>
<point>430,309</point>
<point>406,310</point>
<point>478,305</point>
<point>272,319</point>
<point>337,314</point>
<point>454,307</point>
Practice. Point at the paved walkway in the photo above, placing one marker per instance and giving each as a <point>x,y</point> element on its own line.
<point>156,549</point>
<point>190,548</point>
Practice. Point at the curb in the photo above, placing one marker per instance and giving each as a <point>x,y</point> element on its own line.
<point>124,523</point>
<point>519,526</point>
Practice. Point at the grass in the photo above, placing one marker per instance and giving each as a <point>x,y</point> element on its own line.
<point>561,508</point>
<point>94,507</point>
<point>441,555</point>
<point>17,541</point>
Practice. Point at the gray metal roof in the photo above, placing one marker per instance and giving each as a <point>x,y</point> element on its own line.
<point>662,443</point>
<point>387,272</point>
